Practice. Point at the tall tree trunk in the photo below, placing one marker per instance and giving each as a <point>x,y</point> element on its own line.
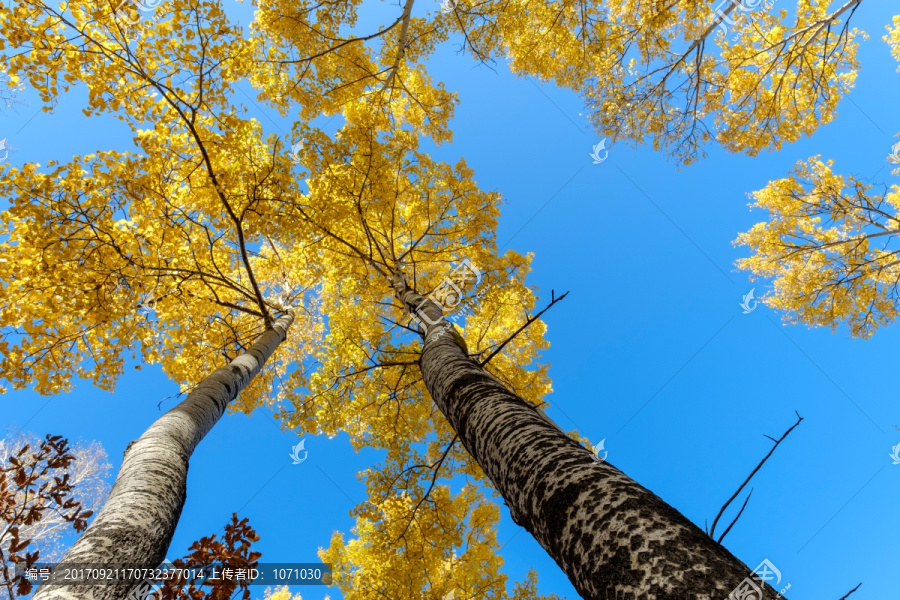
<point>135,526</point>
<point>613,538</point>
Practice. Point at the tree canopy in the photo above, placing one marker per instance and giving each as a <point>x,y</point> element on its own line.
<point>182,248</point>
<point>829,245</point>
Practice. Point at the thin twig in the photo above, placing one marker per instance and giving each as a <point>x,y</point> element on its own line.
<point>743,506</point>
<point>437,467</point>
<point>553,300</point>
<point>847,595</point>
<point>749,477</point>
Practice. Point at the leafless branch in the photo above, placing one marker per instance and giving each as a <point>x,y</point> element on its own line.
<point>712,529</point>
<point>740,512</point>
<point>847,595</point>
<point>529,321</point>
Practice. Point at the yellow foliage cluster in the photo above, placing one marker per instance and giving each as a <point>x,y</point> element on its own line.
<point>282,593</point>
<point>159,250</point>
<point>184,248</point>
<point>444,545</point>
<point>667,72</point>
<point>829,244</point>
<point>822,248</point>
<point>893,38</point>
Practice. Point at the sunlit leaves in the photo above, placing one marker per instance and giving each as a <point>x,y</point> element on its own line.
<point>182,248</point>
<point>893,38</point>
<point>830,243</point>
<point>155,250</point>
<point>665,72</point>
<point>426,543</point>
<point>830,248</point>
<point>785,75</point>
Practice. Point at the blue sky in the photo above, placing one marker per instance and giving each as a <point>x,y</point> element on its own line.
<point>650,351</point>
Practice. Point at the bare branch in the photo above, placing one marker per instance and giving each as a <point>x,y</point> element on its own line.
<point>749,477</point>
<point>740,512</point>
<point>847,595</point>
<point>553,300</point>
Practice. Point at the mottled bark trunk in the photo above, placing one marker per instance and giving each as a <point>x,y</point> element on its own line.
<point>135,526</point>
<point>613,538</point>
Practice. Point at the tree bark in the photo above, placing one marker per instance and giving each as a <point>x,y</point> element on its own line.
<point>612,537</point>
<point>135,526</point>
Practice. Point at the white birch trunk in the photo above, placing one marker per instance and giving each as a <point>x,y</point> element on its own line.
<point>135,526</point>
<point>613,538</point>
